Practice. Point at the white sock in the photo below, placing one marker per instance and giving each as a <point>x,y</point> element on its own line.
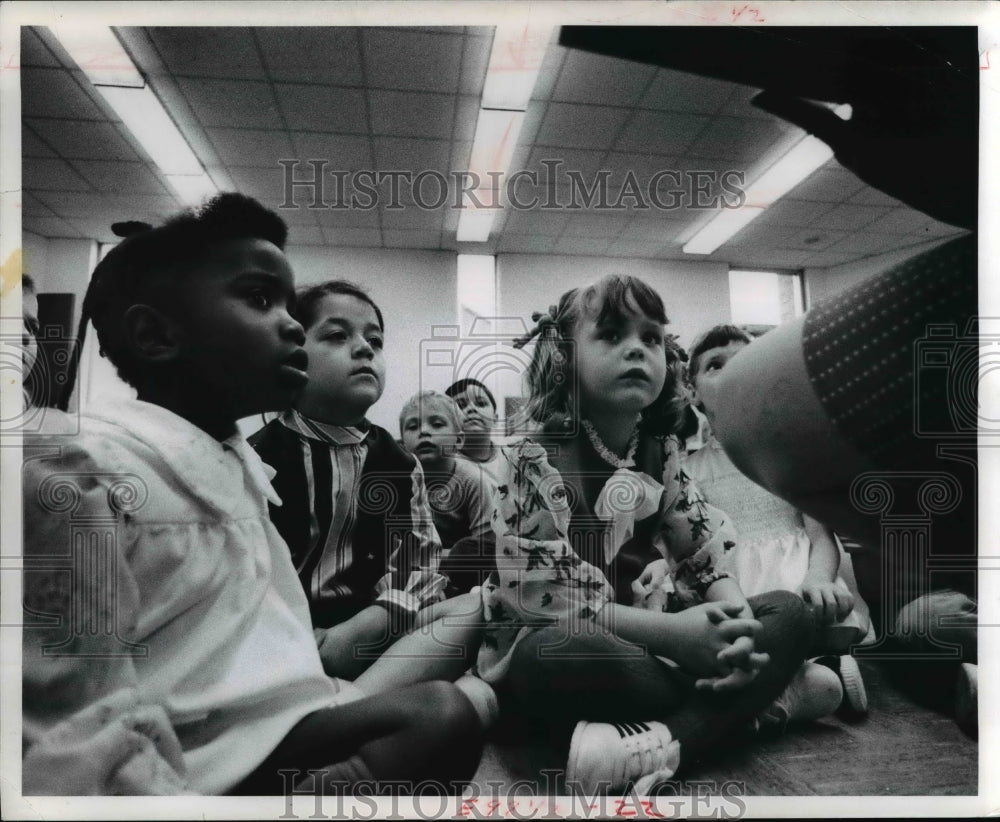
<point>482,696</point>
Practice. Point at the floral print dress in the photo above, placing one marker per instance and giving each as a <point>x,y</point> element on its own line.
<point>573,534</point>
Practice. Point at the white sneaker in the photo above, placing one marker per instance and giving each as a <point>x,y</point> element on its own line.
<point>814,692</point>
<point>846,667</point>
<point>605,756</point>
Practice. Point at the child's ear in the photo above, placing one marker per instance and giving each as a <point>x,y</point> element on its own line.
<point>460,440</point>
<point>151,334</point>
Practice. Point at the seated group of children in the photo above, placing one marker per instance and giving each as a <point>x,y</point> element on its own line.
<point>253,612</point>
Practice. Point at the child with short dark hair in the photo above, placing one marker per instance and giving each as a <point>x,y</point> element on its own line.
<point>460,495</point>
<point>779,547</point>
<point>355,514</point>
<point>196,656</point>
<point>478,407</point>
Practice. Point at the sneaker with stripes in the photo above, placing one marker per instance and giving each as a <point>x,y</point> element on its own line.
<point>610,756</point>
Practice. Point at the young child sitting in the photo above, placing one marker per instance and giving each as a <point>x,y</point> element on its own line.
<point>611,603</point>
<point>354,505</point>
<point>779,547</point>
<point>478,407</point>
<point>181,657</point>
<point>460,495</point>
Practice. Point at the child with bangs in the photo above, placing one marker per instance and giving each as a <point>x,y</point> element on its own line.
<point>611,602</point>
<point>459,493</point>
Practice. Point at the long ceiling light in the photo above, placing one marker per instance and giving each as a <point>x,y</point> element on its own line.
<point>515,59</point>
<point>102,58</point>
<point>794,166</point>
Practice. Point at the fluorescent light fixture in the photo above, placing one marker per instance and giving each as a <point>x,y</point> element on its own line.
<point>794,166</point>
<point>193,189</point>
<point>720,229</point>
<point>100,55</point>
<point>516,57</point>
<point>476,221</point>
<point>493,147</point>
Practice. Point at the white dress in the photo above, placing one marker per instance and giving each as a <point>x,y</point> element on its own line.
<point>772,551</point>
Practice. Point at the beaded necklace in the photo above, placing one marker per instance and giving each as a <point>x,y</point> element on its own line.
<point>609,456</point>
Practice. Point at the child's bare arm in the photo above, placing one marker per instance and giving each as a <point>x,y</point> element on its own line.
<point>727,589</point>
<point>830,602</point>
<point>694,638</point>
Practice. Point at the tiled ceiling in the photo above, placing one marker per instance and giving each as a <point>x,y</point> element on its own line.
<point>407,99</point>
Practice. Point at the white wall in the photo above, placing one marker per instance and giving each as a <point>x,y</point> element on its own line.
<point>60,266</point>
<point>415,290</point>
<point>825,282</point>
<point>696,294</point>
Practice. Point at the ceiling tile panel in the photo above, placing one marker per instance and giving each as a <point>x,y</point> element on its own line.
<point>342,152</point>
<point>656,132</point>
<point>832,183</point>
<point>348,217</point>
<point>50,174</point>
<point>31,206</point>
<point>585,246</point>
<point>353,237</point>
<point>123,178</point>
<point>526,244</point>
<point>568,125</point>
<point>411,239</point>
<point>796,213</point>
<point>34,52</point>
<point>413,114</point>
<point>265,184</point>
<point>902,220</point>
<point>737,138</point>
<point>681,91</point>
<point>323,54</point>
<point>251,147</point>
<point>414,61</point>
<point>85,140</point>
<point>413,156</point>
<point>305,235</point>
<point>32,145</point>
<point>224,52</point>
<point>51,92</point>
<point>49,227</point>
<point>232,103</point>
<point>852,217</point>
<point>475,60</point>
<point>599,80</point>
<point>322,108</point>
<point>810,239</point>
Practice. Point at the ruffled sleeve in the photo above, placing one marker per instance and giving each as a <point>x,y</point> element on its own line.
<point>696,538</point>
<point>539,580</point>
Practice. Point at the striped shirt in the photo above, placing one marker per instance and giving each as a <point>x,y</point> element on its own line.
<point>355,516</point>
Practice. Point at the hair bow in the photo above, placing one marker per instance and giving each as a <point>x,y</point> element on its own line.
<point>542,320</point>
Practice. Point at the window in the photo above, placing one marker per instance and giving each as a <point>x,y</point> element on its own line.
<point>760,300</point>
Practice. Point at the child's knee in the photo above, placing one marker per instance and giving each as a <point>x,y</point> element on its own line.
<point>444,711</point>
<point>785,614</point>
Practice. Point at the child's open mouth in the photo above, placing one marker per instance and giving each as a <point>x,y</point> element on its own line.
<point>365,372</point>
<point>293,369</point>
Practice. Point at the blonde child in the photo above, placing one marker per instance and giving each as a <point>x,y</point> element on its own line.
<point>611,603</point>
<point>460,494</point>
<point>779,547</point>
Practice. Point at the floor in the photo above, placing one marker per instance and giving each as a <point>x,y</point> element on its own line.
<point>898,749</point>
